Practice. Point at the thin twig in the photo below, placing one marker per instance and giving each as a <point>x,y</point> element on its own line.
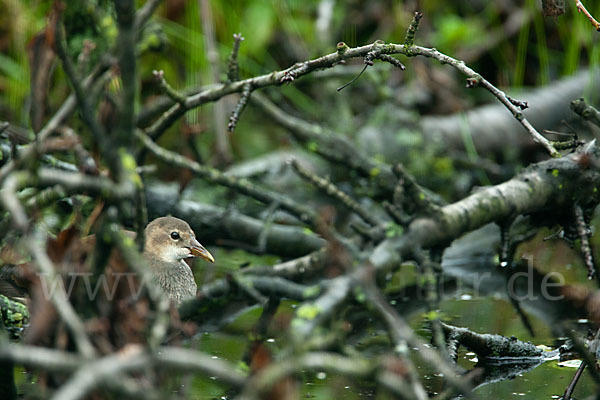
<point>166,88</point>
<point>476,79</point>
<point>345,85</point>
<point>327,61</point>
<point>299,267</point>
<point>586,111</point>
<point>368,60</point>
<point>400,330</point>
<point>93,374</point>
<point>167,357</point>
<point>144,13</point>
<point>569,390</point>
<point>73,182</point>
<point>584,233</point>
<point>133,259</point>
<point>329,188</point>
<point>65,110</point>
<point>266,378</point>
<point>409,38</point>
<point>243,186</point>
<point>581,8</point>
<point>394,61</point>
<point>35,243</point>
<point>333,146</point>
<point>396,213</point>
<point>588,355</point>
<point>233,69</point>
<point>417,197</point>
<point>134,358</point>
<point>59,299</point>
<point>3,126</point>
<point>241,105</point>
<point>83,102</point>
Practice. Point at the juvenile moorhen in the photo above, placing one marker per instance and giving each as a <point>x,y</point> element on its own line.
<point>168,241</point>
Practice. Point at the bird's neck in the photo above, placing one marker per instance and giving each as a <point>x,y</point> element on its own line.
<point>174,278</point>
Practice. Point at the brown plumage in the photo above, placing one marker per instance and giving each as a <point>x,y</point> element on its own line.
<point>168,242</point>
<point>122,309</point>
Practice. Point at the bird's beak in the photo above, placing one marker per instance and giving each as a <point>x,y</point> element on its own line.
<point>197,250</point>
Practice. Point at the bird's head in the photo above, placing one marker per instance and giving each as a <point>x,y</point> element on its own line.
<point>171,239</point>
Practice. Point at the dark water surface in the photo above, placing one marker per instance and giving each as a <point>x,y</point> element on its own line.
<point>470,300</point>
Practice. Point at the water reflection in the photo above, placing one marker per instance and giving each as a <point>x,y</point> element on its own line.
<point>474,295</point>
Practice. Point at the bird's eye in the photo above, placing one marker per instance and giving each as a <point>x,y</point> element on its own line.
<point>175,235</point>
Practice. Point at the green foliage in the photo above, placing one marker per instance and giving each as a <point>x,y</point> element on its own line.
<point>308,311</point>
<point>454,32</point>
<point>15,317</point>
<point>280,33</point>
<point>393,230</point>
<point>432,315</point>
<point>94,22</point>
<point>442,166</point>
<point>359,295</point>
<point>12,69</point>
<point>259,19</point>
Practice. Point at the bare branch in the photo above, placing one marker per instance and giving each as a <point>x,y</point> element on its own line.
<point>242,185</point>
<point>581,8</point>
<point>329,188</point>
<point>330,60</point>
